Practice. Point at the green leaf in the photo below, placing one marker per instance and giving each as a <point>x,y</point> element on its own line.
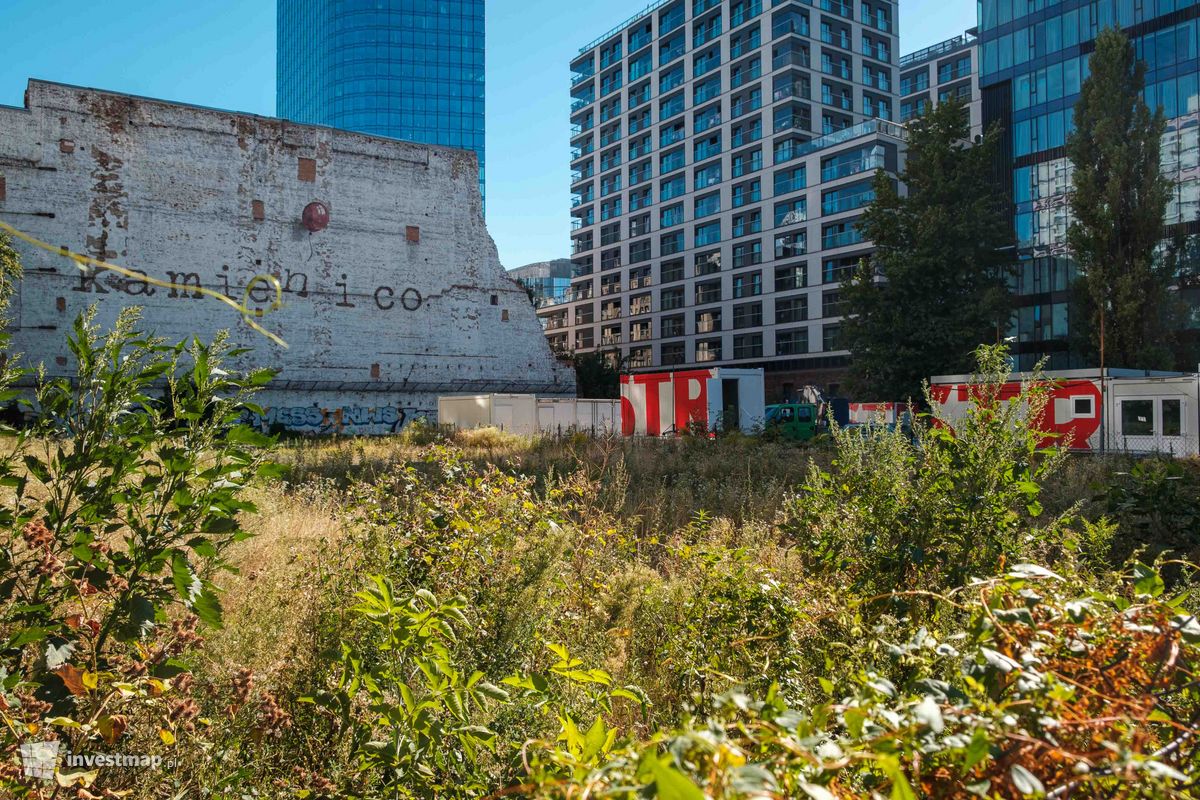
<point>207,607</point>
<point>187,583</point>
<point>670,784</point>
<point>1146,581</point>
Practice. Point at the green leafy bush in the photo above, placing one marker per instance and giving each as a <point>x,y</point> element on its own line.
<point>125,497</point>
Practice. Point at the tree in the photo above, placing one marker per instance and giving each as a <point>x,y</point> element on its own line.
<point>1120,195</point>
<point>934,289</point>
<point>595,376</point>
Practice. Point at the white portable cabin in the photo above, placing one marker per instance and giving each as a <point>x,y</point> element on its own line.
<point>1123,411</point>
<point>527,414</point>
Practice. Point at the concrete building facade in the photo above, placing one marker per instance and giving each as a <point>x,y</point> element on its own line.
<point>939,72</point>
<point>397,298</point>
<point>722,153</point>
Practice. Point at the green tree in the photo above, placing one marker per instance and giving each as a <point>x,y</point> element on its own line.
<point>934,289</point>
<point>1124,297</point>
<point>595,376</point>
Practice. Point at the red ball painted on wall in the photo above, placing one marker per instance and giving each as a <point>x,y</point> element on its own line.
<point>315,217</point>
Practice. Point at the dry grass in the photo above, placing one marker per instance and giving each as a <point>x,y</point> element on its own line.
<point>285,573</point>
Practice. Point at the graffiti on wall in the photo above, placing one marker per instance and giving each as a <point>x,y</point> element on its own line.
<point>347,420</point>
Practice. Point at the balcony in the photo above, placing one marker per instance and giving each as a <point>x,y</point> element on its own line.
<point>836,38</point>
<point>706,122</point>
<point>841,101</point>
<point>745,107</point>
<point>843,239</point>
<point>799,90</point>
<point>835,7</point>
<point>790,58</point>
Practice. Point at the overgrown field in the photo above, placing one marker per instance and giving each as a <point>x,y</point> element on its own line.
<point>487,616</point>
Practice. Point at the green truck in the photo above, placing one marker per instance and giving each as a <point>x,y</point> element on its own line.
<point>796,422</point>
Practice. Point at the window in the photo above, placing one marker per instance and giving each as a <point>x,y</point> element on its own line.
<point>747,223</point>
<point>672,270</point>
<point>793,276</point>
<point>831,338</point>
<point>707,205</point>
<point>706,118</point>
<point>671,243</point>
<point>841,234</point>
<point>706,90</point>
<point>746,162</point>
<point>1172,418</point>
<point>672,48</point>
<point>836,270</point>
<point>791,309</point>
<point>748,284</point>
<point>789,245</point>
<point>673,353</point>
<point>707,176</point>
<point>747,315</point>
<point>640,304</point>
<point>670,106</point>
<point>640,146</point>
<point>792,342</point>
<point>848,197</point>
<point>831,304</point>
<point>670,79</point>
<point>670,134</point>
<point>747,345</point>
<point>639,121</point>
<point>1137,417</point>
<point>708,350</point>
<point>747,254</point>
<point>639,225</point>
<point>791,212</point>
<point>610,259</point>
<point>610,209</point>
<point>610,234</point>
<point>707,147</point>
<point>672,299</point>
<point>672,326</point>
<point>708,292</point>
<point>639,251</point>
<point>670,216</point>
<point>707,263</point>
<point>670,161</point>
<point>641,198</point>
<point>746,193</point>
<point>708,321</point>
<point>789,180</point>
<point>709,233</point>
<point>671,188</point>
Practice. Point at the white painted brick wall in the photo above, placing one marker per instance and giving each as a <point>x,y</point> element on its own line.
<point>167,188</point>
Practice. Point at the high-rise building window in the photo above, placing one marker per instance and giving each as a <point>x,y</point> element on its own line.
<point>394,68</point>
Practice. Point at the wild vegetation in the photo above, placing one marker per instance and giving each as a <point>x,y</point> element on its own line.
<point>482,615</point>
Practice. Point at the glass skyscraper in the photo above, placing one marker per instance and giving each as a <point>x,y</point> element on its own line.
<point>406,69</point>
<point>1034,58</point>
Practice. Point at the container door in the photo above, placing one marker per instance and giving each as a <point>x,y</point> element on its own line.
<point>1153,425</point>
<point>731,411</point>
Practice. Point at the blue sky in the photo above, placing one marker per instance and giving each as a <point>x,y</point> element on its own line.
<point>221,53</point>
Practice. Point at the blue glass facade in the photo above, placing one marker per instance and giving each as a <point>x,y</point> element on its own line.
<point>1034,56</point>
<point>407,69</point>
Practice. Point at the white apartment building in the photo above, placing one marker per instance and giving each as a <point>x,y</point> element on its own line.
<point>722,155</point>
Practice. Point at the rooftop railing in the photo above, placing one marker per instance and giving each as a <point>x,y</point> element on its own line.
<point>619,28</point>
<point>934,50</point>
